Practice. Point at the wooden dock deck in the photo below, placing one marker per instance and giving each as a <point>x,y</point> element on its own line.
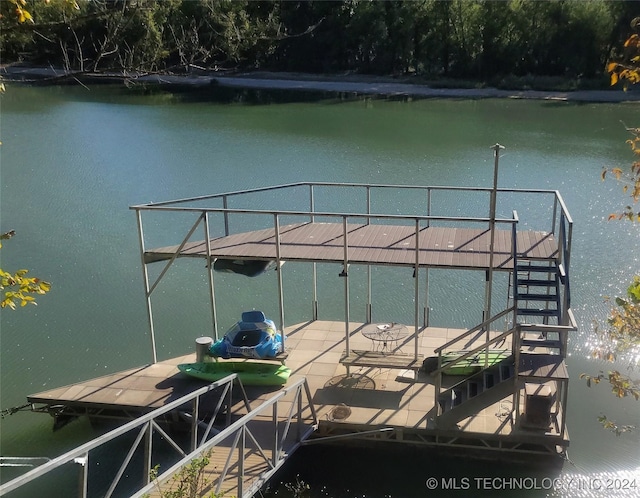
<point>365,398</point>
<point>372,244</point>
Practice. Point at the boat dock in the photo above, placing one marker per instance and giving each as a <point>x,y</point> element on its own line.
<point>498,389</point>
<point>396,401</point>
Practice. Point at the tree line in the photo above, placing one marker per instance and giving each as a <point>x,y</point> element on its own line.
<point>478,40</point>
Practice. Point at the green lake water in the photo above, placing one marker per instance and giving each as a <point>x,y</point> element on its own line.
<point>73,160</point>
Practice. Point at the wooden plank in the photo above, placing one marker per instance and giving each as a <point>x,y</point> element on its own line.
<point>368,241</point>
<point>371,244</point>
<point>543,366</point>
<point>358,358</point>
<point>140,388</point>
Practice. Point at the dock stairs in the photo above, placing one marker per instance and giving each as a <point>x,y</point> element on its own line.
<point>536,295</point>
<point>476,392</point>
<point>537,299</point>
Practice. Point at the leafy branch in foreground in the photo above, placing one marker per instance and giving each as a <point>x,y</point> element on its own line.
<point>620,340</point>
<point>17,287</point>
<point>626,70</point>
<point>630,180</point>
<point>189,482</point>
<point>612,426</point>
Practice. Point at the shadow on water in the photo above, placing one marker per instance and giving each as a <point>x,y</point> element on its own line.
<point>217,94</point>
<point>407,472</point>
<point>154,93</point>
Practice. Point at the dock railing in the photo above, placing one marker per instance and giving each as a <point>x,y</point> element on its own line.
<point>442,367</point>
<point>144,427</point>
<point>301,201</point>
<point>244,440</point>
<point>515,335</point>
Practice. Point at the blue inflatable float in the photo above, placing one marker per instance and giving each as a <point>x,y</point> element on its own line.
<point>254,336</point>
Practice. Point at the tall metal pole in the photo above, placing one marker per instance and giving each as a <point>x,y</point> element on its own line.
<point>279,274</point>
<point>492,228</point>
<point>147,291</point>
<point>212,293</point>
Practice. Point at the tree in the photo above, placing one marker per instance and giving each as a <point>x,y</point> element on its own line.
<point>630,179</point>
<point>17,287</point>
<point>626,71</point>
<point>620,339</point>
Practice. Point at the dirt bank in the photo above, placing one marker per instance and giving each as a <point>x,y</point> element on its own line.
<point>357,84</point>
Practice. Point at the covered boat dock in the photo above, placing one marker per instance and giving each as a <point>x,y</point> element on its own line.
<point>362,390</point>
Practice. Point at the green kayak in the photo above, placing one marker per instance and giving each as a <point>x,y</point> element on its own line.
<point>474,363</point>
<point>249,373</point>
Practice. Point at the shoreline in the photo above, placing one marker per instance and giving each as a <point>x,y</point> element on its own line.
<point>366,85</point>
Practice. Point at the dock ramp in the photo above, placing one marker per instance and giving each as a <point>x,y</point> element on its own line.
<point>235,459</point>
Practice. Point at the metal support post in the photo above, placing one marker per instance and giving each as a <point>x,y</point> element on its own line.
<point>147,293</point>
<point>212,294</point>
<point>279,273</point>
<point>345,274</point>
<point>275,449</point>
<point>416,299</point>
<point>83,478</point>
<point>492,228</point>
<point>148,451</point>
<point>195,413</point>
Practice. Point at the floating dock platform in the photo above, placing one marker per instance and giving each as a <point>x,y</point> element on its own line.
<point>386,402</point>
<point>498,389</point>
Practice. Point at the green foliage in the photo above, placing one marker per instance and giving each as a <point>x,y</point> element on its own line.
<point>189,482</point>
<point>17,287</point>
<point>622,335</point>
<point>298,489</point>
<point>613,427</point>
<point>620,341</point>
<point>626,70</point>
<point>621,338</point>
<point>466,39</point>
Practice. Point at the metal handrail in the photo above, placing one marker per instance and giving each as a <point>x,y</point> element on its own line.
<point>310,214</point>
<point>238,193</point>
<point>477,328</point>
<point>467,354</point>
<point>146,422</point>
<point>239,431</point>
<point>326,214</point>
<point>515,332</point>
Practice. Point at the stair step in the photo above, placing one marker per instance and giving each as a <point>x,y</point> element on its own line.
<point>537,297</point>
<point>537,268</point>
<point>541,343</point>
<point>536,282</point>
<point>472,406</point>
<point>537,312</point>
